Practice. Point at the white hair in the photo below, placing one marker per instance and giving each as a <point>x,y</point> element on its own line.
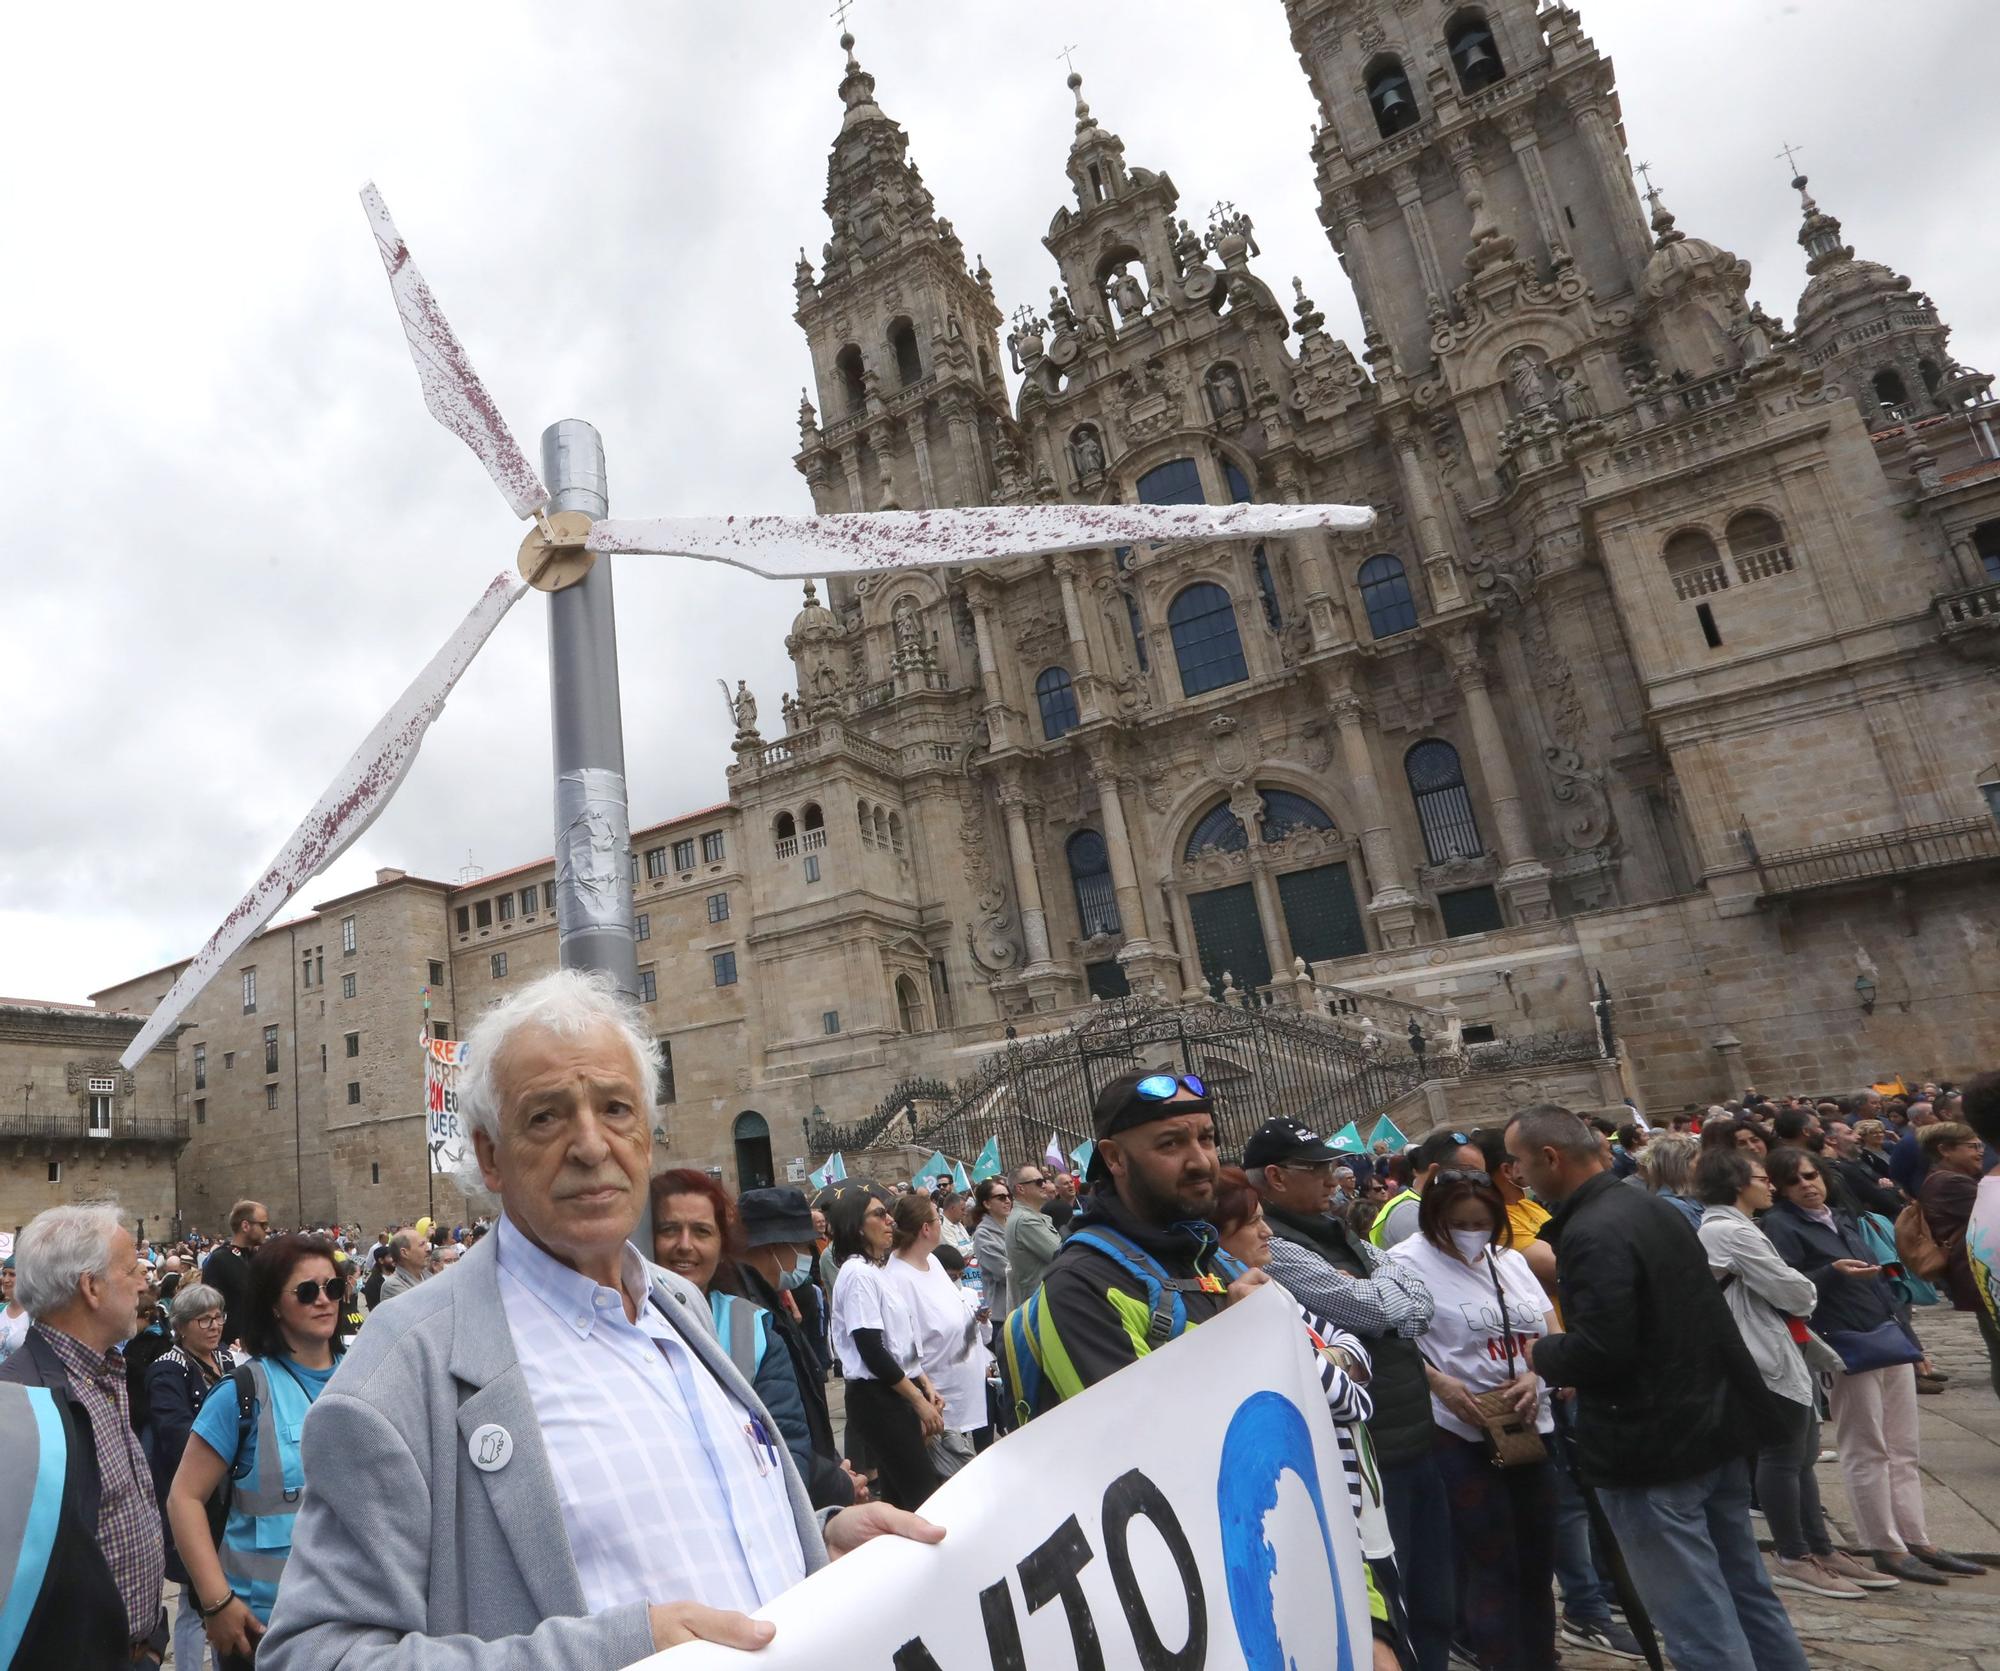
<point>195,1300</point>
<point>59,1248</point>
<point>567,1003</point>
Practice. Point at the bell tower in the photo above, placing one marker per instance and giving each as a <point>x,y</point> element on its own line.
<point>1457,138</point>
<point>904,339</point>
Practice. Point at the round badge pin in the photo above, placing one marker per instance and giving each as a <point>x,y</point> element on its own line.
<point>490,1447</point>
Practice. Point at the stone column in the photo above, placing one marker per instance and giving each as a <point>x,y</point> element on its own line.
<point>1249,810</point>
<point>1084,675</point>
<point>1628,222</point>
<point>1525,142</point>
<point>1027,883</point>
<point>979,600</point>
<point>1410,198</point>
<point>1118,843</point>
<point>1192,985</point>
<point>1524,879</point>
<point>850,464</point>
<point>920,444</point>
<point>1440,572</point>
<point>1390,903</point>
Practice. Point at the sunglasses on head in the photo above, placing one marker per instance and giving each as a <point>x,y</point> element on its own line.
<point>1461,1175</point>
<point>307,1292</point>
<point>1164,1087</point>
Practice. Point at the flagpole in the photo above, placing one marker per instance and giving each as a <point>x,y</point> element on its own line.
<point>430,1170</point>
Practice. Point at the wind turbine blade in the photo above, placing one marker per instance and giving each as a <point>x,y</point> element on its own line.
<point>797,547</point>
<point>351,803</point>
<point>452,390</point>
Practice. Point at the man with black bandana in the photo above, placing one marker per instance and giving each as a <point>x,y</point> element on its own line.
<point>1152,1189</point>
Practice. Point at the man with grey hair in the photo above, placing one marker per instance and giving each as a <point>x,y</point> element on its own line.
<point>78,1273</point>
<point>412,1253</point>
<point>587,1479</point>
<point>1669,1402</point>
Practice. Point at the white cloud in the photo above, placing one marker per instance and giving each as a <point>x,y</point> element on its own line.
<point>234,533</point>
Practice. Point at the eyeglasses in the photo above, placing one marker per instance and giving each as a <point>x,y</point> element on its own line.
<point>308,1292</point>
<point>1317,1168</point>
<point>1164,1087</point>
<point>1460,1175</point>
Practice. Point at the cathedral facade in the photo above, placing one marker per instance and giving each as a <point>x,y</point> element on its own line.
<point>1667,676</point>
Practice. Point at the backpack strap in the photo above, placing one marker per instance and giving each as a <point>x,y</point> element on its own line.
<point>246,1408</point>
<point>1163,1292</point>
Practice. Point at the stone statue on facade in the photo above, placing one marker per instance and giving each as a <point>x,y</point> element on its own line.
<point>1129,295</point>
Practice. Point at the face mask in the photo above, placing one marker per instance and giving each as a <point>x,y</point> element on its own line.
<point>1471,1244</point>
<point>800,1273</point>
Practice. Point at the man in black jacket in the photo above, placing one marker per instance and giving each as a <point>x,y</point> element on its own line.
<point>227,1269</point>
<point>1334,1274</point>
<point>778,1236</point>
<point>1669,1402</point>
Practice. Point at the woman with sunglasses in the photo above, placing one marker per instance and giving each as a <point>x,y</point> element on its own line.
<point>1874,1399</point>
<point>992,1201</point>
<point>292,1311</point>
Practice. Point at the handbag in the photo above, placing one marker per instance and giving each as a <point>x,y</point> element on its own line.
<point>1921,1253</point>
<point>1511,1442</point>
<point>1884,1245</point>
<point>1820,1358</point>
<point>1885,1346</point>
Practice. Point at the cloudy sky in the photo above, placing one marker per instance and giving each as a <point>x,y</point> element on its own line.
<point>236,534</point>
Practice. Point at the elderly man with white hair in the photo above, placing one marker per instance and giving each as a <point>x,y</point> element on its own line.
<point>78,1272</point>
<point>579,1475</point>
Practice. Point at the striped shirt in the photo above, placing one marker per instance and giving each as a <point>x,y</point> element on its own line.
<point>128,1521</point>
<point>667,1491</point>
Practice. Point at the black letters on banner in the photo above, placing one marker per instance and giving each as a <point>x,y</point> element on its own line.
<point>1131,1495</point>
<point>1052,1571</point>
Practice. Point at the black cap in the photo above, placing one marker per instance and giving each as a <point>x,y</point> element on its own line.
<point>774,1215</point>
<point>1119,1107</point>
<point>1281,1141</point>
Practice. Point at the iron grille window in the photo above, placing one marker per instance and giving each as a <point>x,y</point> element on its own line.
<point>1090,871</point>
<point>1385,594</point>
<point>1444,808</point>
<point>1206,643</point>
<point>1285,812</point>
<point>1057,698</point>
<point>1219,828</point>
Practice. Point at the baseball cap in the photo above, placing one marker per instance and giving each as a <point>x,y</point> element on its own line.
<point>774,1215</point>
<point>1282,1141</point>
<point>1138,1099</point>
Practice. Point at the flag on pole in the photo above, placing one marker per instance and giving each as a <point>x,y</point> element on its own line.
<point>817,1177</point>
<point>836,1167</point>
<point>1052,1156</point>
<point>1386,1132</point>
<point>1082,1154</point>
<point>959,1181</point>
<point>1347,1140</point>
<point>936,1167</point>
<point>988,1163</point>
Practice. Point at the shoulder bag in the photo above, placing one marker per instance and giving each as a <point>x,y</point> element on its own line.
<point>1511,1442</point>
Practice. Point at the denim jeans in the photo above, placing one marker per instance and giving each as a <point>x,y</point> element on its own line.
<point>1694,1561</point>
<point>1503,1531</point>
<point>1413,1496</point>
<point>190,1640</point>
<point>1586,1592</point>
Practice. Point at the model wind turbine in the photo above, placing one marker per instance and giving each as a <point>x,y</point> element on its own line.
<point>562,555</point>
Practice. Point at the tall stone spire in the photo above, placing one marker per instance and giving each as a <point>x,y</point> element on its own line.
<point>1819,234</point>
<point>876,199</point>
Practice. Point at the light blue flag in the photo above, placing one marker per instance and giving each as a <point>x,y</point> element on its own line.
<point>988,1163</point>
<point>1347,1140</point>
<point>936,1167</point>
<point>1386,1132</point>
<point>836,1167</point>
<point>959,1181</point>
<point>817,1177</point>
<point>1081,1155</point>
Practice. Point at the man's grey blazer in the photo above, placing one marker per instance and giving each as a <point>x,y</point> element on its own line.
<point>407,1556</point>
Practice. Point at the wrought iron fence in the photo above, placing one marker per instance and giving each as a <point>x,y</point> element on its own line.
<point>73,1126</point>
<point>1891,853</point>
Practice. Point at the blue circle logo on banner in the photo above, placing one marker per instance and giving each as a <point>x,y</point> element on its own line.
<point>1267,1439</point>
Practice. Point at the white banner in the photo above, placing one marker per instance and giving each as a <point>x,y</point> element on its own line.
<point>450,1139</point>
<point>1214,1532</point>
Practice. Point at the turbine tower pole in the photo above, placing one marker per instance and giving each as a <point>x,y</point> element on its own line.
<point>593,833</point>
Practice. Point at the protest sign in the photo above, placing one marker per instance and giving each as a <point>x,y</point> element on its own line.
<point>1215,1535</point>
<point>449,1138</point>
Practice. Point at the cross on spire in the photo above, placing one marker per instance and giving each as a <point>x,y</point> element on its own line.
<point>1791,161</point>
<point>1064,55</point>
<point>1645,172</point>
<point>839,13</point>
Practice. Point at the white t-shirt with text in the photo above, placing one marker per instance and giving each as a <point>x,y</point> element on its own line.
<point>864,1297</point>
<point>1465,1339</point>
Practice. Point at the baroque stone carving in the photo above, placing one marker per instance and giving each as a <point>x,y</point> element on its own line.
<point>989,938</point>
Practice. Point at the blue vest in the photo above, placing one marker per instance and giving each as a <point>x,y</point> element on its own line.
<point>257,1541</point>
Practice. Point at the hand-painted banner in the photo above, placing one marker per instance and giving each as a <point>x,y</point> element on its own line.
<point>1247,1558</point>
<point>449,1137</point>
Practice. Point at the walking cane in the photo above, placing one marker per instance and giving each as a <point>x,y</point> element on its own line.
<point>1621,1578</point>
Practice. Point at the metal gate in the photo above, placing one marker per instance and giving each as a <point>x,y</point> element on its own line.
<point>1320,914</point>
<point>1229,937</point>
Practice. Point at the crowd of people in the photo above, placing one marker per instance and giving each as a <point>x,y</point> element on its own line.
<point>1565,1361</point>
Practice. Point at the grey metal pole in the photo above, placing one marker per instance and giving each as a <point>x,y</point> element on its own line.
<point>594,927</point>
<point>593,831</point>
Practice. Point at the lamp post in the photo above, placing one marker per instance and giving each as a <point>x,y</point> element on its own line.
<point>1864,989</point>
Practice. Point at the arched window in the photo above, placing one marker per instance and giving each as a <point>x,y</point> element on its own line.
<point>881,828</point>
<point>848,363</point>
<point>751,1134</point>
<point>1757,545</point>
<point>1928,371</point>
<point>903,340</point>
<point>1385,594</point>
<point>1890,393</point>
<point>1444,809</point>
<point>1090,871</point>
<point>865,820</point>
<point>1474,53</point>
<point>896,831</point>
<point>1138,631</point>
<point>1986,542</point>
<point>1206,643</point>
<point>909,1007</point>
<point>1239,484</point>
<point>785,828</point>
<point>811,818</point>
<point>1177,482</point>
<point>1389,96</point>
<point>1694,565</point>
<point>1285,812</point>
<point>1220,829</point>
<point>1267,590</point>
<point>1057,698</point>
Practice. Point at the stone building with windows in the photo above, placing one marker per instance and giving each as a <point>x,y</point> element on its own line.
<point>1670,663</point>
